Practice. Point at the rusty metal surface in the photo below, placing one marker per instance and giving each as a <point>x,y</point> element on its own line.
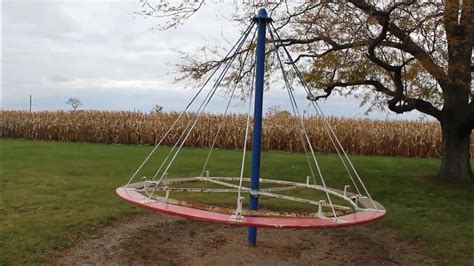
<point>361,203</point>
<point>274,220</point>
<point>258,213</point>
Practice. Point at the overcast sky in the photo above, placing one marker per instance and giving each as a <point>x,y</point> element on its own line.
<point>111,59</point>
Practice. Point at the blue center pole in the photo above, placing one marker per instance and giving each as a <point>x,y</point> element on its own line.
<point>262,19</point>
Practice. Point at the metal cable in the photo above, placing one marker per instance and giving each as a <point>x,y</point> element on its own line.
<point>190,123</point>
<point>226,109</point>
<point>201,110</point>
<point>187,107</point>
<point>296,112</point>
<point>247,127</point>
<point>328,129</point>
<point>319,110</point>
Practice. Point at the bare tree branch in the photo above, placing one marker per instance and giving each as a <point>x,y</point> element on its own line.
<point>408,44</point>
<point>176,14</point>
<point>376,84</point>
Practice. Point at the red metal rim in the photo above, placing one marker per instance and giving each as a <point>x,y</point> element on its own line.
<point>359,217</point>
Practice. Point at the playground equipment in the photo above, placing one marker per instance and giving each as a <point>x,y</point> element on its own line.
<point>339,208</point>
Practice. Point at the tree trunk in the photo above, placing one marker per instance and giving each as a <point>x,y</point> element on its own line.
<point>456,153</point>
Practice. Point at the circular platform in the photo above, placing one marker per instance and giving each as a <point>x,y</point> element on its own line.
<point>364,211</point>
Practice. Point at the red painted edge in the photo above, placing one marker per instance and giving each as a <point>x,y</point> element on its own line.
<point>362,217</point>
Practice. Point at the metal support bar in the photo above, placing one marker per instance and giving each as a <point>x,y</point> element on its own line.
<point>261,19</point>
<point>293,185</point>
<point>279,196</point>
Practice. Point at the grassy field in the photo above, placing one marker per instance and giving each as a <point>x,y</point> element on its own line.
<point>53,193</point>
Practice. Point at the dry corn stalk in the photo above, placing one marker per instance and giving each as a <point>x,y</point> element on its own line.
<point>280,132</point>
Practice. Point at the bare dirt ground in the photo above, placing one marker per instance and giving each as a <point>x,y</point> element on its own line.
<point>155,239</point>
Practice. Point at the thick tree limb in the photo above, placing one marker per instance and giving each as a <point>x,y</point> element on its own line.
<point>410,104</point>
<point>291,41</point>
<point>334,45</point>
<point>409,45</point>
<point>467,20</point>
<point>372,45</point>
<point>451,18</point>
<point>375,83</point>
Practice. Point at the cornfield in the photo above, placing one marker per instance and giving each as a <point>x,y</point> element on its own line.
<point>280,131</point>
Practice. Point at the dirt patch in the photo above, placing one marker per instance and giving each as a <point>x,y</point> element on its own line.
<point>166,240</point>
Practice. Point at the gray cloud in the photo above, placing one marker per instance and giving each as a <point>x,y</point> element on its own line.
<point>103,54</point>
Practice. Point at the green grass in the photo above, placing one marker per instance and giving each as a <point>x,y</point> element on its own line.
<point>54,193</point>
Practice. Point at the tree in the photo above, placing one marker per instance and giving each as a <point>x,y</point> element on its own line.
<point>157,109</point>
<point>74,103</point>
<point>400,55</point>
<point>276,111</point>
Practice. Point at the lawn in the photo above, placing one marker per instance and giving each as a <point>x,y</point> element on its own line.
<point>54,193</point>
